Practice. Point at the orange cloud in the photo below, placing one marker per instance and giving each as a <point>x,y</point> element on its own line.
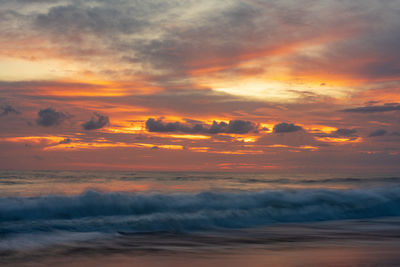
<point>34,139</point>
<point>339,140</point>
<point>104,144</point>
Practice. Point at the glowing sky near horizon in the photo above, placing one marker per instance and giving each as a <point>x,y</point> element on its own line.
<point>200,85</point>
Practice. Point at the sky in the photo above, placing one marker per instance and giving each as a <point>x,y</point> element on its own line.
<point>205,85</point>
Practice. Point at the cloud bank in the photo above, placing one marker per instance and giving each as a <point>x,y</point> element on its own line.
<point>233,127</point>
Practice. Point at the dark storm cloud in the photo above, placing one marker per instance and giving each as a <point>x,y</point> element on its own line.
<point>96,122</point>
<point>234,127</point>
<point>50,117</point>
<point>379,132</point>
<point>7,109</point>
<point>286,128</point>
<point>372,109</point>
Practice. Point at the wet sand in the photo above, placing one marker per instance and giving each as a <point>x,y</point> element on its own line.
<point>341,243</point>
<point>377,254</point>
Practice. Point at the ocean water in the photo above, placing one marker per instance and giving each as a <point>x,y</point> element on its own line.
<point>62,214</point>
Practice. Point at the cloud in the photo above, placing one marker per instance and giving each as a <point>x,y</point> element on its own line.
<point>286,128</point>
<point>84,19</point>
<point>96,122</point>
<point>192,102</point>
<point>350,134</point>
<point>372,109</point>
<point>151,34</point>
<point>225,26</point>
<point>65,141</point>
<point>159,126</point>
<point>50,117</point>
<point>377,41</point>
<point>343,132</point>
<point>379,132</point>
<point>234,126</point>
<point>7,109</point>
<point>171,44</point>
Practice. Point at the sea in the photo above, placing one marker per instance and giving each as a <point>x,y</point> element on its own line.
<point>116,218</point>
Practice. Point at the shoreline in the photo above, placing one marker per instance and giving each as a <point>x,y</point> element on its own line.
<point>338,243</point>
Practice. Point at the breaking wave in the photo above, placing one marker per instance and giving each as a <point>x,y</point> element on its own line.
<point>123,212</point>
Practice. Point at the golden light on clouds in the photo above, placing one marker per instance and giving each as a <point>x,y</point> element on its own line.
<point>33,139</point>
<point>16,69</point>
<point>198,84</point>
<point>339,140</point>
<point>105,145</point>
<point>190,136</point>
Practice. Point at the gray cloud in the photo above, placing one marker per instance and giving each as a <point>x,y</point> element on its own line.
<point>379,132</point>
<point>50,117</point>
<point>286,128</point>
<point>343,132</point>
<point>191,102</point>
<point>228,29</point>
<point>188,102</point>
<point>234,126</point>
<point>83,19</point>
<point>375,35</point>
<point>7,109</point>
<point>172,44</point>
<point>65,141</point>
<point>159,126</point>
<point>372,109</point>
<point>157,35</point>
<point>96,122</point>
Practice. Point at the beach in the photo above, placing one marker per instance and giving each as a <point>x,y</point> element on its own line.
<point>341,243</point>
<point>207,219</point>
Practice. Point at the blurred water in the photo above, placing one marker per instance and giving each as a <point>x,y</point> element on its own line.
<point>49,213</point>
<point>32,183</point>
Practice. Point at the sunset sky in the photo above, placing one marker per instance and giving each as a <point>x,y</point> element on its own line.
<point>290,85</point>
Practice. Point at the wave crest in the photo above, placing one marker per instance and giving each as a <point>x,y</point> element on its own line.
<point>113,212</point>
